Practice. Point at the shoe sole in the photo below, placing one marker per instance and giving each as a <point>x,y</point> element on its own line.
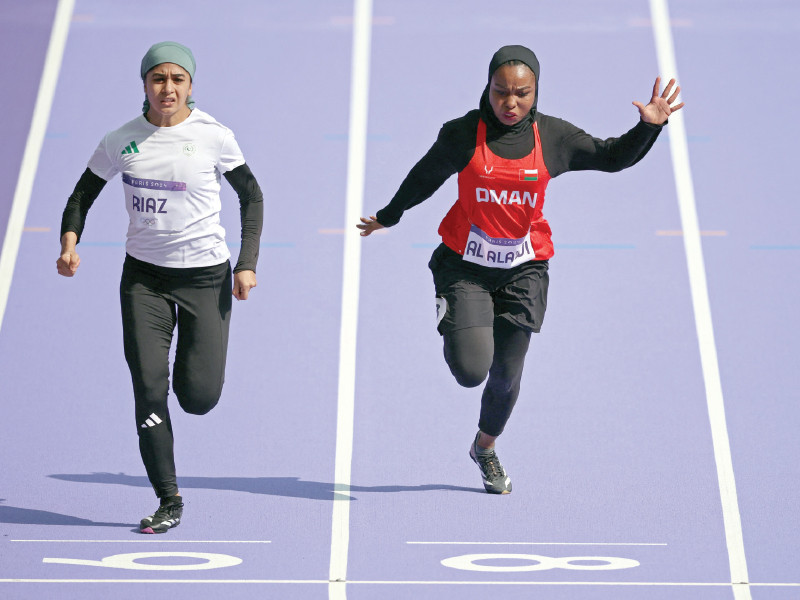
<point>491,490</point>
<point>149,530</point>
<point>155,531</point>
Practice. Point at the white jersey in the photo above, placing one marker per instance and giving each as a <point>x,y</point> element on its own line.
<point>171,177</point>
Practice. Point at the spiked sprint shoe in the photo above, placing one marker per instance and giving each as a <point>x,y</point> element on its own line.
<point>166,517</point>
<point>495,480</point>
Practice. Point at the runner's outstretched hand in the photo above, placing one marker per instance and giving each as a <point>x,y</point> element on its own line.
<point>660,107</point>
<point>367,226</point>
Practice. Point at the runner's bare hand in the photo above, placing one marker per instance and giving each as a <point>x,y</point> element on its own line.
<point>660,107</point>
<point>369,225</point>
<point>67,264</point>
<point>243,282</point>
<point>69,261</point>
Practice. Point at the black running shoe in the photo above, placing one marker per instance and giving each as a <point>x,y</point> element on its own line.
<point>166,517</point>
<point>495,480</point>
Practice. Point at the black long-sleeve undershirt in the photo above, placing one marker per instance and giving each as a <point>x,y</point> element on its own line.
<point>241,179</point>
<point>80,201</point>
<point>251,210</point>
<point>565,148</point>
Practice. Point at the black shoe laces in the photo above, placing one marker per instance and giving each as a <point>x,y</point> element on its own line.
<point>167,511</point>
<point>490,466</point>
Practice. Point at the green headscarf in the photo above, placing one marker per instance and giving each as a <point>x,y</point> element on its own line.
<point>168,52</point>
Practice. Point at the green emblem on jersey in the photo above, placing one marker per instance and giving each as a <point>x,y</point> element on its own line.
<point>131,149</point>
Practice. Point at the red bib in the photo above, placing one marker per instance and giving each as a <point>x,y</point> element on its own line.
<point>497,220</point>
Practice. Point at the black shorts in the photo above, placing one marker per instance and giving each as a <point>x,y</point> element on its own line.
<point>470,295</point>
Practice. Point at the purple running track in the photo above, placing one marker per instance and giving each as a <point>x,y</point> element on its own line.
<point>24,34</point>
<point>610,448</point>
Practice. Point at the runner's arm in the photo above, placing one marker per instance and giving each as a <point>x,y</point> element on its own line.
<point>86,192</point>
<point>450,153</point>
<point>73,220</point>
<point>251,210</point>
<point>569,148</point>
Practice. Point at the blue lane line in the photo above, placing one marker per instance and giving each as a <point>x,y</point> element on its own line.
<point>595,246</point>
<point>692,139</point>
<point>343,137</point>
<point>100,244</point>
<point>775,247</point>
<point>265,245</point>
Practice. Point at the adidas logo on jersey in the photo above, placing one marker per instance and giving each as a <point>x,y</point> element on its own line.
<point>151,421</point>
<point>131,149</point>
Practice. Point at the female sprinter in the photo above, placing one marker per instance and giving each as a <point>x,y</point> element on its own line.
<point>177,271</point>
<point>490,271</point>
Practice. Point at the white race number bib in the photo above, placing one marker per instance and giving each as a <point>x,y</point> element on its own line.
<point>154,204</point>
<point>500,253</point>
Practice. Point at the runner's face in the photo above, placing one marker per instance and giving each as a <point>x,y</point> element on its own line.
<point>512,91</point>
<point>168,87</point>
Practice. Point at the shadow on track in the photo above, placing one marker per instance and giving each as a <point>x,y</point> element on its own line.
<point>290,487</point>
<point>30,516</point>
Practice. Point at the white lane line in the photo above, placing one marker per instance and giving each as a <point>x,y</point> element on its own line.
<point>33,148</point>
<point>369,582</point>
<point>317,581</point>
<point>540,543</point>
<point>356,161</point>
<point>702,308</point>
<point>155,541</point>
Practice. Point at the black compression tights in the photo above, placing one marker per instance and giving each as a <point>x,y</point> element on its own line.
<point>155,302</point>
<point>498,351</point>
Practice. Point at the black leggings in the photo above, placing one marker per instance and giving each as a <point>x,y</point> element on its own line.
<point>154,300</point>
<point>498,351</point>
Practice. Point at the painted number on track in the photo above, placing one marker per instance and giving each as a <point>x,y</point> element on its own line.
<point>131,561</point>
<point>535,562</point>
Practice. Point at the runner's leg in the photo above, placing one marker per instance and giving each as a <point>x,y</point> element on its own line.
<point>148,320</point>
<point>468,353</point>
<point>502,389</point>
<point>204,310</point>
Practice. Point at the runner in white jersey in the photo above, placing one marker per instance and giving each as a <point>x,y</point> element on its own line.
<point>171,181</point>
<point>177,272</point>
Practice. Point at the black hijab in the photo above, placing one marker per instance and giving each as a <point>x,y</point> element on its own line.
<point>502,56</point>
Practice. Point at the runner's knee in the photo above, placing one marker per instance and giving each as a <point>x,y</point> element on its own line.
<point>468,353</point>
<point>197,399</point>
<point>467,375</point>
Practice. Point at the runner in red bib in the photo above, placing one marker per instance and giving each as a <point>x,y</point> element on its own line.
<point>491,270</point>
<point>497,220</point>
